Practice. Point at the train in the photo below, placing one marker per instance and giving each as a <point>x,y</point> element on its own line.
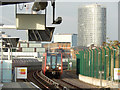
<point>52,65</point>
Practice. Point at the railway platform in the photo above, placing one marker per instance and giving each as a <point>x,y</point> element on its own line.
<point>71,77</point>
<point>18,85</point>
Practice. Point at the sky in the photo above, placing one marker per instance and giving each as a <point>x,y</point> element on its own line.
<point>68,10</point>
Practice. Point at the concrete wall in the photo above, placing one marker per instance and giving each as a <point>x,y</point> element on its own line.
<point>97,82</point>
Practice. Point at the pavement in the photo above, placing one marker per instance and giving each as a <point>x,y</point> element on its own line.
<point>71,77</point>
<point>18,85</point>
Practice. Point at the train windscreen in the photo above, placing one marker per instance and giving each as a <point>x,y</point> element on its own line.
<point>53,62</point>
<point>48,60</point>
<point>59,60</point>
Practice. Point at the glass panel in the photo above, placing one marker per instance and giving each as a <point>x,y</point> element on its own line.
<point>53,61</point>
<point>48,60</point>
<point>59,60</point>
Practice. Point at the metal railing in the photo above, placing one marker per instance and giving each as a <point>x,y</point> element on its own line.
<point>49,80</point>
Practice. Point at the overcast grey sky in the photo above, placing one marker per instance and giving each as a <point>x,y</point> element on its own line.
<point>69,12</point>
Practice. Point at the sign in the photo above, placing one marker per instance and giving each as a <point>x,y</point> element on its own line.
<point>21,72</point>
<point>116,73</point>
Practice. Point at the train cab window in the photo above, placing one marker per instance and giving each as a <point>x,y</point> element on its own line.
<point>53,61</point>
<point>48,60</point>
<point>58,60</point>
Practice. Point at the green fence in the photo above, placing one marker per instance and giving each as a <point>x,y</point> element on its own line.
<point>92,62</point>
<point>71,64</point>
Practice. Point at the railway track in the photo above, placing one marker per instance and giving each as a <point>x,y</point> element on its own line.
<point>44,82</point>
<point>59,83</point>
<point>32,77</point>
<point>65,85</point>
<point>36,78</point>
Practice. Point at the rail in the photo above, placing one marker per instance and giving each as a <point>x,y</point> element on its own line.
<point>49,80</point>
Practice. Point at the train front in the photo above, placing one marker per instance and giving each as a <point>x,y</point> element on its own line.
<point>54,65</point>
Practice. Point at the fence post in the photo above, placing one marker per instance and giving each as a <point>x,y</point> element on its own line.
<point>87,64</point>
<point>90,62</point>
<point>100,67</point>
<point>93,61</point>
<point>100,59</point>
<point>119,55</point>
<point>97,68</point>
<point>109,61</point>
<point>82,62</point>
<point>114,55</point>
<point>104,64</point>
<point>68,64</point>
<point>77,64</point>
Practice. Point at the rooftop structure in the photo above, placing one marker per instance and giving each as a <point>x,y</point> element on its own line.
<point>71,38</point>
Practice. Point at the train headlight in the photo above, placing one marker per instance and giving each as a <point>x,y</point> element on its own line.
<point>59,68</point>
<point>47,67</point>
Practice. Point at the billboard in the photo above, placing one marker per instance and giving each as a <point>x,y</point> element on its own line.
<point>21,72</point>
<point>116,73</point>
<point>30,21</point>
<point>41,35</point>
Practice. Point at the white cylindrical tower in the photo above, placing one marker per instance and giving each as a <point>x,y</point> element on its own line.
<point>91,25</point>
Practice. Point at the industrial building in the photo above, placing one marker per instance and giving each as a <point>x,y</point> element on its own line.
<point>63,43</point>
<point>71,38</point>
<point>33,47</point>
<point>91,25</point>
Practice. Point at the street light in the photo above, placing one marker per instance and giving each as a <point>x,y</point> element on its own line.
<point>58,20</point>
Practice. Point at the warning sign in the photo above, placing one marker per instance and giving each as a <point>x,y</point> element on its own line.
<point>21,72</point>
<point>116,73</point>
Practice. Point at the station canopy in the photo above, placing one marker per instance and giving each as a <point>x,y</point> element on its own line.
<point>41,35</point>
<point>30,21</point>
